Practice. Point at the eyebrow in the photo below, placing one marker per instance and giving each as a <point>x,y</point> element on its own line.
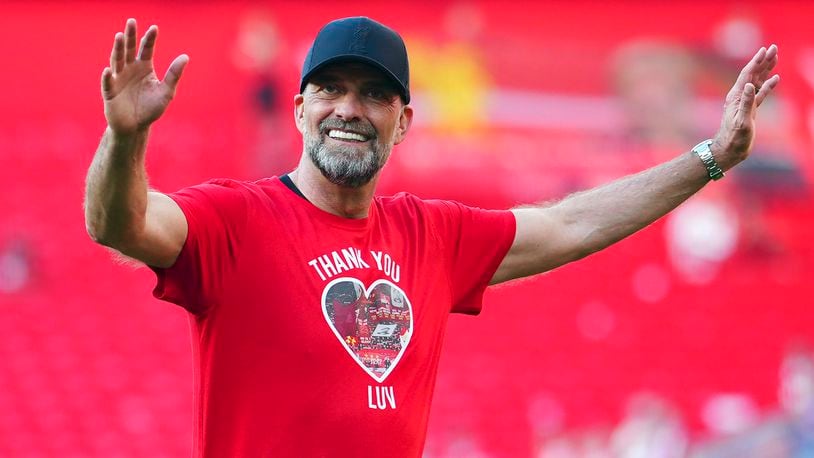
<point>375,83</point>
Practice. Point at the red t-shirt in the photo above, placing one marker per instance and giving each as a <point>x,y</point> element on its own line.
<point>316,335</point>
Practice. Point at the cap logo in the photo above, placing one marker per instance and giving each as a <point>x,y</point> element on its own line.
<point>358,44</point>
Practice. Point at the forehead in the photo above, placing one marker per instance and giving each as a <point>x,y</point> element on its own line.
<point>352,71</point>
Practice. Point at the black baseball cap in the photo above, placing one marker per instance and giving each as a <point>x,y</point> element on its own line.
<point>360,39</point>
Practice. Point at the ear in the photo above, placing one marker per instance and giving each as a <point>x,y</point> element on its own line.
<point>299,112</point>
<point>405,120</point>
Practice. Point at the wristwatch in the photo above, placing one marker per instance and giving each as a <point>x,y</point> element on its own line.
<point>705,154</point>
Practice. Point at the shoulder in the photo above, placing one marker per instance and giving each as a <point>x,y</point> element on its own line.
<point>432,207</point>
<point>398,200</point>
<point>407,202</point>
<point>223,197</point>
<point>229,189</point>
<point>214,186</point>
<point>450,215</point>
<point>409,207</point>
<point>236,185</point>
<point>406,199</point>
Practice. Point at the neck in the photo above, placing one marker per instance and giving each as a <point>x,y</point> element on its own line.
<point>337,200</point>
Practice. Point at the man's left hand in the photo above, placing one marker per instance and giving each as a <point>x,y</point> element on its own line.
<point>733,142</point>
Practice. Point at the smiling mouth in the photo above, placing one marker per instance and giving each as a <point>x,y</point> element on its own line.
<point>347,136</point>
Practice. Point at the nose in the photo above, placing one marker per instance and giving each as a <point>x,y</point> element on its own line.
<point>349,106</point>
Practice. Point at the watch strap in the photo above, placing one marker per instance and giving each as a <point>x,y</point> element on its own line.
<point>703,151</point>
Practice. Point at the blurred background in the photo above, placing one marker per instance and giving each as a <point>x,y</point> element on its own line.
<point>691,338</point>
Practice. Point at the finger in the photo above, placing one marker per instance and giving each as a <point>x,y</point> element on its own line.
<point>772,51</point>
<point>747,105</point>
<point>117,54</point>
<point>771,60</point>
<point>174,72</point>
<point>148,43</point>
<point>130,41</point>
<point>768,64</point>
<point>767,89</point>
<point>107,82</point>
<point>748,71</point>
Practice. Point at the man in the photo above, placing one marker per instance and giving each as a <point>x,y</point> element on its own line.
<point>260,265</point>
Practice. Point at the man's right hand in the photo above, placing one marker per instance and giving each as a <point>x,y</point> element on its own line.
<point>134,97</point>
<point>120,211</point>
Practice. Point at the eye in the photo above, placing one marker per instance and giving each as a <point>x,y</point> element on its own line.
<point>330,89</point>
<point>379,93</point>
<point>375,93</point>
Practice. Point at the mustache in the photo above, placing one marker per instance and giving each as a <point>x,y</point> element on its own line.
<point>364,128</point>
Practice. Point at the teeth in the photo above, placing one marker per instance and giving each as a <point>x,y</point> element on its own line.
<point>347,135</point>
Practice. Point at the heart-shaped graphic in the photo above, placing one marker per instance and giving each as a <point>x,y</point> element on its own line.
<point>374,324</point>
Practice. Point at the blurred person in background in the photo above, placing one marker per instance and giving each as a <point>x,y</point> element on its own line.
<point>15,265</point>
<point>652,428</point>
<point>788,433</point>
<point>654,81</point>
<point>257,53</point>
<point>253,262</point>
<point>797,399</point>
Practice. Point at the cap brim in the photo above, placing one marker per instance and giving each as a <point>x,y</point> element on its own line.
<point>403,91</point>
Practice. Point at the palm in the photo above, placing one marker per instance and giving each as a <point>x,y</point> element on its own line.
<point>134,97</point>
<point>753,85</point>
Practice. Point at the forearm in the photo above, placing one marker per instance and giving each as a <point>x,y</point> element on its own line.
<point>116,188</point>
<point>548,236</point>
<point>607,214</point>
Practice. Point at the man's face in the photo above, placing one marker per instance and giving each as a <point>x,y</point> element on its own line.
<point>350,116</point>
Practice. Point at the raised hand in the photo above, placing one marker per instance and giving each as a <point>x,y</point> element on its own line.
<point>134,97</point>
<point>733,142</point>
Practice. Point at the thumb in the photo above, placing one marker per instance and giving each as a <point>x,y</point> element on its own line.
<point>747,106</point>
<point>174,72</point>
<point>107,83</point>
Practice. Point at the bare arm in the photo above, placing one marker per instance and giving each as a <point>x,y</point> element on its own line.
<point>586,222</point>
<point>120,212</point>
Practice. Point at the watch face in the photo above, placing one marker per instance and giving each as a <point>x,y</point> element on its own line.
<point>703,146</point>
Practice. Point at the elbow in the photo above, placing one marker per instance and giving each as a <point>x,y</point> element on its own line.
<point>95,227</point>
<point>92,226</point>
<point>114,236</point>
<point>97,233</point>
<point>117,228</point>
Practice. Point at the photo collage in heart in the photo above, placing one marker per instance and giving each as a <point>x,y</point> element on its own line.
<point>374,324</point>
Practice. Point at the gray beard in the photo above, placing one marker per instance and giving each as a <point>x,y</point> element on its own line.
<point>346,166</point>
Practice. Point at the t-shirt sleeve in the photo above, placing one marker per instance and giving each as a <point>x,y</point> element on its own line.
<point>216,213</point>
<point>475,242</point>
